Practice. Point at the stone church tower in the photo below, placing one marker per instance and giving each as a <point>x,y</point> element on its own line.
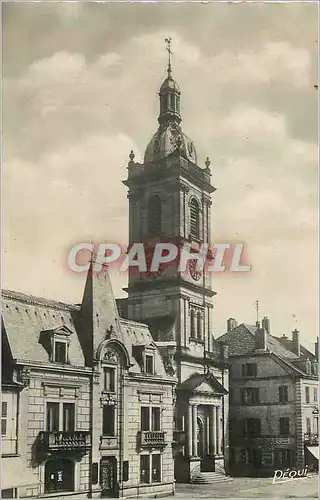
<point>169,201</point>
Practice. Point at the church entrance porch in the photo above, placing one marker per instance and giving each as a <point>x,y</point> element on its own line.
<point>199,427</point>
<point>202,447</point>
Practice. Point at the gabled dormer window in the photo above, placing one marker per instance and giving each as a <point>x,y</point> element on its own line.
<point>56,342</point>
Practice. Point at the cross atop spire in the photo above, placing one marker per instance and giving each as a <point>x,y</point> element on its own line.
<point>168,48</point>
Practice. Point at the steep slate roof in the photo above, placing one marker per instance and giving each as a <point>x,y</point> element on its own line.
<point>241,340</point>
<point>26,316</point>
<point>287,343</point>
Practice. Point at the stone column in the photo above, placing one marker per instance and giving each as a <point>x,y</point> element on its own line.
<point>189,421</point>
<point>213,429</point>
<point>194,431</point>
<point>218,425</point>
<point>207,432</point>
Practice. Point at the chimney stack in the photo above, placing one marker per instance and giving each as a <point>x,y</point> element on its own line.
<point>231,324</point>
<point>316,348</point>
<point>266,324</point>
<point>296,341</point>
<point>261,339</point>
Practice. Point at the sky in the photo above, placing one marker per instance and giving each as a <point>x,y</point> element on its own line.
<point>80,91</point>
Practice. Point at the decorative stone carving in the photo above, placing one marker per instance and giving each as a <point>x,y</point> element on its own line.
<point>110,356</point>
<point>108,399</point>
<point>25,376</point>
<point>169,362</point>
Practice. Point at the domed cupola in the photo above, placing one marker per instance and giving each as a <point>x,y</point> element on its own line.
<point>169,136</point>
<point>169,100</point>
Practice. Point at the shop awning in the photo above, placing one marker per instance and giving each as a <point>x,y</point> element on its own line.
<point>314,450</point>
<point>15,474</point>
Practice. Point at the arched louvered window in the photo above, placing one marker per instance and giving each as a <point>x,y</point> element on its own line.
<point>199,325</point>
<point>172,103</point>
<point>194,218</point>
<point>154,215</point>
<point>193,323</point>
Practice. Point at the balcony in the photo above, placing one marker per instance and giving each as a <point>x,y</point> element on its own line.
<point>57,441</point>
<point>311,438</point>
<point>152,439</point>
<point>179,438</point>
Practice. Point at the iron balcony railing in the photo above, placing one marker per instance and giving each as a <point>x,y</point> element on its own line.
<point>60,440</point>
<point>152,438</point>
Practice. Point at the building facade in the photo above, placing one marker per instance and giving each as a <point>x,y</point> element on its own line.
<point>273,401</point>
<point>14,473</point>
<point>95,404</point>
<point>169,202</point>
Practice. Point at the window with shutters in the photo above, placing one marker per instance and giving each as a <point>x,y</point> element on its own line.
<point>284,426</point>
<point>154,215</point>
<point>252,427</point>
<point>250,396</point>
<point>283,393</point>
<point>249,370</point>
<point>194,218</point>
<point>4,417</point>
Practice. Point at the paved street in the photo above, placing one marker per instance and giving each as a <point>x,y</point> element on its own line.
<point>252,488</point>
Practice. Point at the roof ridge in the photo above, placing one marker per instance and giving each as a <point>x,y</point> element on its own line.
<point>40,301</point>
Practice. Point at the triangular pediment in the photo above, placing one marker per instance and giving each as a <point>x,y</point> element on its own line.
<point>200,382</point>
<point>62,330</point>
<point>204,387</point>
<point>59,330</point>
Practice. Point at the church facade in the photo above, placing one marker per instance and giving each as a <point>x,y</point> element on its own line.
<point>170,201</point>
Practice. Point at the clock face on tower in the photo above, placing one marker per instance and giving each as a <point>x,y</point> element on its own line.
<point>194,273</point>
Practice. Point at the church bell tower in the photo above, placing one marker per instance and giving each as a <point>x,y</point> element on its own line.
<point>169,201</point>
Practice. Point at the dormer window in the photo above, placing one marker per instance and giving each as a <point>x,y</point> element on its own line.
<point>60,352</point>
<point>145,357</point>
<point>56,342</point>
<point>149,364</point>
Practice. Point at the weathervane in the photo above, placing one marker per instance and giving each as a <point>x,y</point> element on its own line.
<point>168,43</point>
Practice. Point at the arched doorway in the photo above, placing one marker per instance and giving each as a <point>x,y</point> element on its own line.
<point>200,437</point>
<point>59,475</point>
